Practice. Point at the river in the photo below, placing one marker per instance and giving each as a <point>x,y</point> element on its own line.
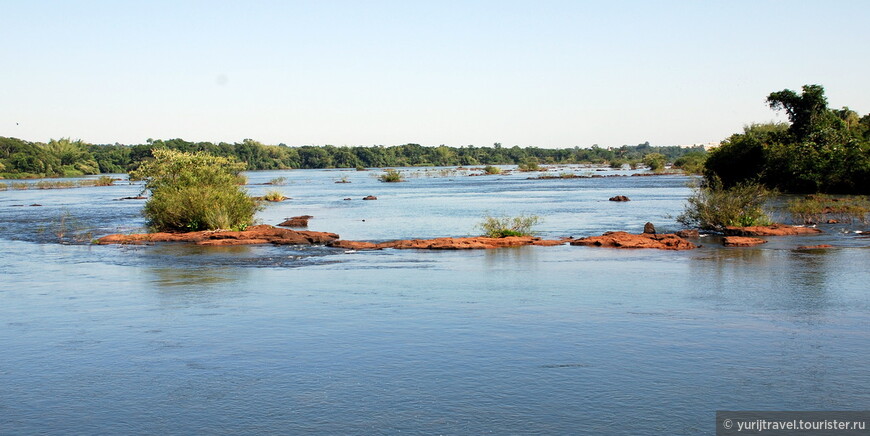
<point>179,339</point>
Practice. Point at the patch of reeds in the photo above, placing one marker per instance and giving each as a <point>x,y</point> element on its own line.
<point>819,208</point>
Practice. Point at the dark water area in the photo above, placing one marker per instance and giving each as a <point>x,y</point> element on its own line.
<point>179,339</point>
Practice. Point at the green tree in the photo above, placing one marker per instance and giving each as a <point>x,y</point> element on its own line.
<point>194,191</point>
<point>692,163</point>
<point>822,150</point>
<point>655,161</point>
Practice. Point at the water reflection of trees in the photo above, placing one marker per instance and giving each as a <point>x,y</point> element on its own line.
<point>797,282</point>
<point>185,275</point>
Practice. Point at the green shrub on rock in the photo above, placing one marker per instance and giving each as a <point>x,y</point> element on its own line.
<point>194,191</point>
<point>500,227</point>
<point>712,207</point>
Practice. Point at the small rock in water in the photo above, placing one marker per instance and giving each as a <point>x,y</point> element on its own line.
<point>649,228</point>
<point>620,198</point>
<point>370,197</point>
<point>689,233</point>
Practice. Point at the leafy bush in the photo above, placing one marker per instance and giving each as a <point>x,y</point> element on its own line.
<point>713,207</point>
<point>392,176</point>
<point>489,169</point>
<point>500,227</point>
<point>194,191</point>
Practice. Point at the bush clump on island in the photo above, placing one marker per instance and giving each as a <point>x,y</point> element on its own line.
<point>502,227</point>
<point>392,176</point>
<point>194,191</point>
<point>712,207</point>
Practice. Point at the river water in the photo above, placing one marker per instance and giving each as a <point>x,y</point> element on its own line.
<point>178,339</point>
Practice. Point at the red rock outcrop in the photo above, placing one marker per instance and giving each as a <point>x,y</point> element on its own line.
<point>773,230</point>
<point>262,234</point>
<point>296,221</point>
<point>689,233</point>
<point>667,241</point>
<point>354,245</point>
<point>741,241</point>
<point>619,198</point>
<point>370,197</point>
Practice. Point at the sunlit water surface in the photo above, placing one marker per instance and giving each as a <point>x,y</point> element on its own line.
<point>176,339</point>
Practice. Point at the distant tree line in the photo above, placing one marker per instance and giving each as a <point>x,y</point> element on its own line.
<point>66,158</point>
<point>821,150</point>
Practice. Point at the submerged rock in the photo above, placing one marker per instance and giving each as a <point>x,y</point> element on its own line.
<point>471,243</point>
<point>741,241</point>
<point>814,247</point>
<point>666,241</point>
<point>772,230</point>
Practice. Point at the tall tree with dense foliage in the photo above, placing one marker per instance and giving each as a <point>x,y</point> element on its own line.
<point>194,191</point>
<point>821,150</point>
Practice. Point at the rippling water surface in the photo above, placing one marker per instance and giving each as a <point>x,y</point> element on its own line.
<point>174,339</point>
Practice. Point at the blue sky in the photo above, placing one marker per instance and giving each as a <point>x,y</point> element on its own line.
<point>528,73</point>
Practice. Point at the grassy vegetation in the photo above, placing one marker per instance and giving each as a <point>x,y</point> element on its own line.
<point>819,208</point>
<point>530,164</point>
<point>58,184</point>
<point>500,227</point>
<point>278,181</point>
<point>194,191</point>
<point>392,176</point>
<point>104,181</point>
<point>713,207</point>
<point>274,195</point>
<point>55,184</point>
<point>489,169</point>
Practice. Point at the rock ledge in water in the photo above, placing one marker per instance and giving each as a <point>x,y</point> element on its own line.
<point>262,234</point>
<point>773,230</point>
<point>667,241</point>
<point>741,241</point>
<point>296,221</point>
